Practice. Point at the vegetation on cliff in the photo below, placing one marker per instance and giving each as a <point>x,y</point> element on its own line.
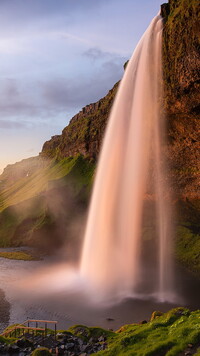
<point>181,63</point>
<point>84,133</point>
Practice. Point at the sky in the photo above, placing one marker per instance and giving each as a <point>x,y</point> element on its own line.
<point>56,57</point>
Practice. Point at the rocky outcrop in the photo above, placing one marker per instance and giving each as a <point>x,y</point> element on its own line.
<point>181,66</point>
<point>84,133</point>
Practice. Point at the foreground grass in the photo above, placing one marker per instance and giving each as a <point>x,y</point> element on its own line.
<point>19,255</point>
<point>171,334</point>
<point>168,334</point>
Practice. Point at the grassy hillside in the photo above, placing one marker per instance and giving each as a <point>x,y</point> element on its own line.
<point>34,207</point>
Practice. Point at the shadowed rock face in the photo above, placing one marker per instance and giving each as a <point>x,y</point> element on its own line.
<point>181,65</point>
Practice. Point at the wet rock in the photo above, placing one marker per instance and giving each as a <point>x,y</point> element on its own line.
<point>69,346</point>
<point>11,349</point>
<point>165,10</point>
<point>81,342</point>
<point>102,338</point>
<point>23,343</point>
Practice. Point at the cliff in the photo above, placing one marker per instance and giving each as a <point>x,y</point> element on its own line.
<point>181,69</point>
<point>84,133</point>
<point>52,174</point>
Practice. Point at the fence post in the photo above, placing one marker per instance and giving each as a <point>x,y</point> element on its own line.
<point>55,330</point>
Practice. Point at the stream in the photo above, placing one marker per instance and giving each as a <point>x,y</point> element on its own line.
<point>74,307</point>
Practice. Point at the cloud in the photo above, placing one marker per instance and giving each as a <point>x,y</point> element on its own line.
<point>67,35</point>
<point>24,104</point>
<point>9,88</point>
<point>95,54</point>
<point>76,92</point>
<point>10,124</point>
<point>32,104</point>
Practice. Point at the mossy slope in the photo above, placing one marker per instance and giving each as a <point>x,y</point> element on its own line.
<point>168,334</point>
<point>30,206</point>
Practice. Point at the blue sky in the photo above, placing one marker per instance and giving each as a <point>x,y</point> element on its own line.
<point>56,57</point>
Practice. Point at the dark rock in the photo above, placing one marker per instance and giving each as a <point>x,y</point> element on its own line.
<point>143,322</point>
<point>80,341</point>
<point>69,346</point>
<point>125,64</point>
<point>181,63</point>
<point>11,349</point>
<point>165,10</point>
<point>103,346</point>
<point>23,343</point>
<point>102,338</point>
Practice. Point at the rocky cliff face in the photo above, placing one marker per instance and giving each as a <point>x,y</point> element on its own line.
<point>84,133</point>
<point>181,69</point>
<point>181,66</point>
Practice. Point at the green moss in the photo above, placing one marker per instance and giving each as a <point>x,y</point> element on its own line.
<point>86,333</point>
<point>155,315</point>
<point>5,340</point>
<point>167,335</point>
<point>19,255</point>
<point>188,248</point>
<point>41,351</point>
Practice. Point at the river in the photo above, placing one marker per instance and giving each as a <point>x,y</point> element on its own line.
<point>74,307</point>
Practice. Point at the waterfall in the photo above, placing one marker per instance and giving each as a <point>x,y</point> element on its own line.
<point>131,160</point>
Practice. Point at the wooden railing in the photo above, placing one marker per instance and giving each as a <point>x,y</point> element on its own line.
<point>20,329</point>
